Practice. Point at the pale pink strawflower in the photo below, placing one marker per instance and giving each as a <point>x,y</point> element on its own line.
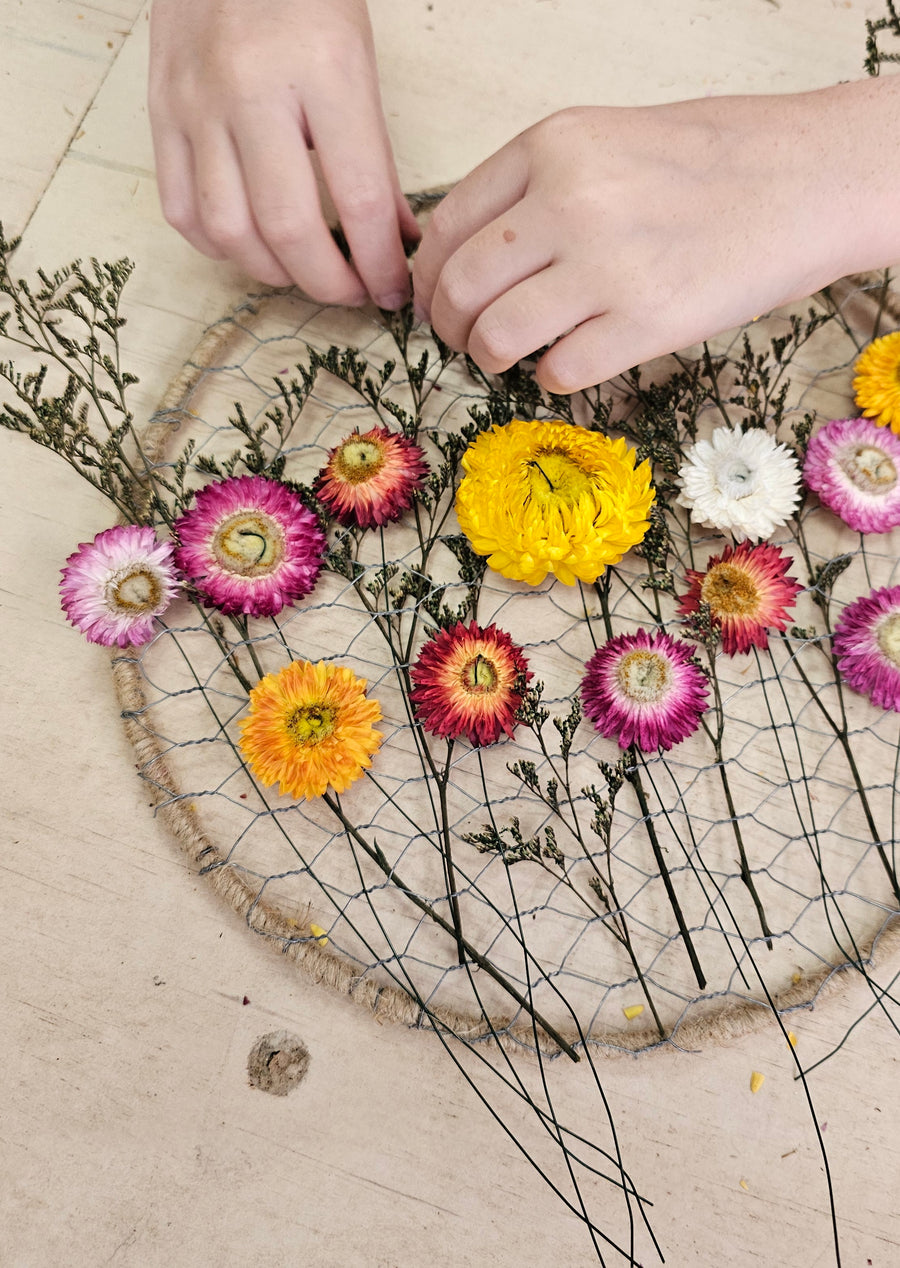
<point>115,587</point>
<point>249,546</point>
<point>854,467</point>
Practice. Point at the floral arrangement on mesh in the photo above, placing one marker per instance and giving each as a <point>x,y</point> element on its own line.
<point>666,520</point>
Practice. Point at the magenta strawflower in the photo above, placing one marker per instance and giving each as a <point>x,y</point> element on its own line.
<point>370,478</point>
<point>469,682</point>
<point>644,689</point>
<point>854,466</point>
<point>114,587</point>
<point>748,594</point>
<point>867,646</point>
<point>249,545</point>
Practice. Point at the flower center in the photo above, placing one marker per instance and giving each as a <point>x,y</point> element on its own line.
<point>479,676</point>
<point>730,591</point>
<point>357,460</point>
<point>644,677</point>
<point>554,476</point>
<point>870,468</point>
<point>134,590</point>
<point>887,634</point>
<point>310,724</point>
<point>250,544</point>
<point>736,480</point>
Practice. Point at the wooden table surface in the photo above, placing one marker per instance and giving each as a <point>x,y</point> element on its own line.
<point>129,1133</point>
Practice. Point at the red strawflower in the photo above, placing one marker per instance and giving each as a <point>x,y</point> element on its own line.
<point>748,593</point>
<point>370,478</point>
<point>469,682</point>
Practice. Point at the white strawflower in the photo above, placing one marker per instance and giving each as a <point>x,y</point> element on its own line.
<point>741,482</point>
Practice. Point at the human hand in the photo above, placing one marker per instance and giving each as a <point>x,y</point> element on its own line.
<point>240,90</point>
<point>625,234</point>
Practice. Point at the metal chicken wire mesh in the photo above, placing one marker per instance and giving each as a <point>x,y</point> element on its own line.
<point>659,919</point>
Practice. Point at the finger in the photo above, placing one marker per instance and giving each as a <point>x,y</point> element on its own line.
<point>601,348</point>
<point>481,197</point>
<point>497,259</point>
<point>410,230</point>
<point>358,167</point>
<point>529,316</point>
<point>286,208</point>
<point>177,194</point>
<point>225,214</point>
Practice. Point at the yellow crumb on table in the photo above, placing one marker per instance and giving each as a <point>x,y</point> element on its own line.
<point>633,1010</point>
<point>756,1081</point>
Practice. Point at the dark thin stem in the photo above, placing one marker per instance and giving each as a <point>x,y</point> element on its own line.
<point>716,737</point>
<point>376,854</point>
<point>841,734</point>
<point>633,776</point>
<point>447,855</point>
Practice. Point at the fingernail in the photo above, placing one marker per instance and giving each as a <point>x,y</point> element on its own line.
<point>393,301</point>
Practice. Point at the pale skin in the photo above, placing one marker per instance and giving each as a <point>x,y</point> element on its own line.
<point>616,235</point>
<point>240,92</point>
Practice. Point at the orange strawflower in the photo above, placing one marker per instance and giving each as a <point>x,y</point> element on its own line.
<point>310,726</point>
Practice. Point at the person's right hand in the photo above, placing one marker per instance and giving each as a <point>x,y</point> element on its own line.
<point>240,91</point>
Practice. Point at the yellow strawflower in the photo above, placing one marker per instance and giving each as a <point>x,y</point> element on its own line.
<point>549,497</point>
<point>877,381</point>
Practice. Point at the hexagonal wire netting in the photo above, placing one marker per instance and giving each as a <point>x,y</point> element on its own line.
<point>742,870</point>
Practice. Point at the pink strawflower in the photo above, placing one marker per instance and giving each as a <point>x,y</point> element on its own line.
<point>748,594</point>
<point>644,689</point>
<point>867,646</point>
<point>370,477</point>
<point>114,587</point>
<point>249,545</point>
<point>854,466</point>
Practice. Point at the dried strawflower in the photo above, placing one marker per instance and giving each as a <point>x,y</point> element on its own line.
<point>469,681</point>
<point>310,726</point>
<point>877,381</point>
<point>114,587</point>
<point>740,482</point>
<point>748,593</point>
<point>249,545</point>
<point>549,497</point>
<point>854,467</point>
<point>867,646</point>
<point>370,478</point>
<point>644,689</point>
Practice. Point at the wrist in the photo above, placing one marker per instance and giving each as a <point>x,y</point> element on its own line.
<point>855,133</point>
